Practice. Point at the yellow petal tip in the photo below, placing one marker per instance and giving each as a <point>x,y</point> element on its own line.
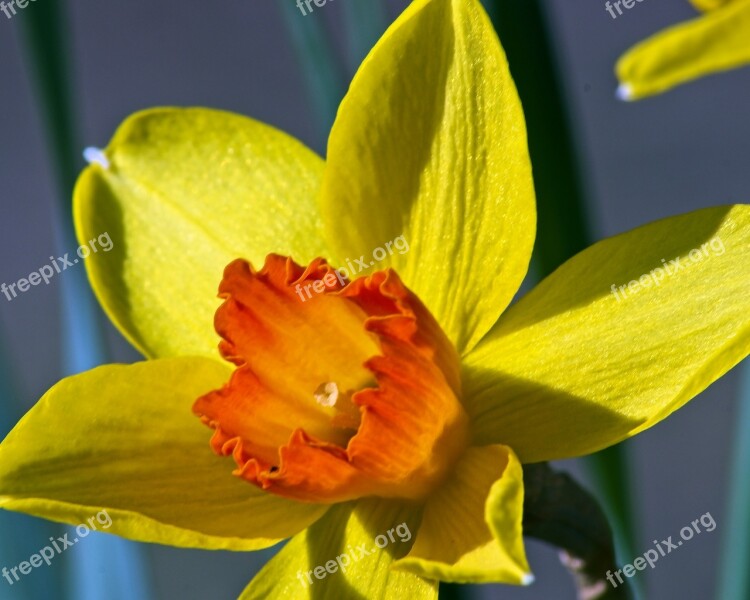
<point>96,156</point>
<point>624,92</point>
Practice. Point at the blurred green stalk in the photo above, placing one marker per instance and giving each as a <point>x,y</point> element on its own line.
<point>734,574</point>
<point>364,23</point>
<point>106,566</point>
<point>324,75</point>
<point>563,229</point>
<point>20,531</point>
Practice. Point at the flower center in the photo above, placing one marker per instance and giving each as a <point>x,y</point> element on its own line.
<point>352,392</point>
<point>347,414</point>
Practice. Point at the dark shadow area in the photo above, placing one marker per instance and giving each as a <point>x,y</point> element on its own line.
<point>527,410</point>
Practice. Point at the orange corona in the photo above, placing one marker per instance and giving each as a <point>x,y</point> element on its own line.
<point>354,393</point>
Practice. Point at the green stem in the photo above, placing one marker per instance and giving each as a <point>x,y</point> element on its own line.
<point>83,344</point>
<point>563,229</point>
<point>47,49</point>
<point>21,533</point>
<point>365,21</point>
<point>323,73</point>
<point>734,580</point>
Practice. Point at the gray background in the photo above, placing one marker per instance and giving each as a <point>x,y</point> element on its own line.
<point>675,153</point>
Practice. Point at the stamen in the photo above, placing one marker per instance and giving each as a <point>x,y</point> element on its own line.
<point>346,415</point>
<point>327,394</point>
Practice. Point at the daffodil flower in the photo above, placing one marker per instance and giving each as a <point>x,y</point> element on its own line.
<point>714,42</point>
<point>408,397</point>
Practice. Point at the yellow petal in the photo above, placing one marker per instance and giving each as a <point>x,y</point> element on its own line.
<point>571,369</point>
<point>717,41</point>
<point>471,530</point>
<point>184,193</point>
<point>707,5</point>
<point>338,557</point>
<point>124,439</point>
<point>430,143</point>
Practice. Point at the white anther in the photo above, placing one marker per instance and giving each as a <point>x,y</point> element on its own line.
<point>327,394</point>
